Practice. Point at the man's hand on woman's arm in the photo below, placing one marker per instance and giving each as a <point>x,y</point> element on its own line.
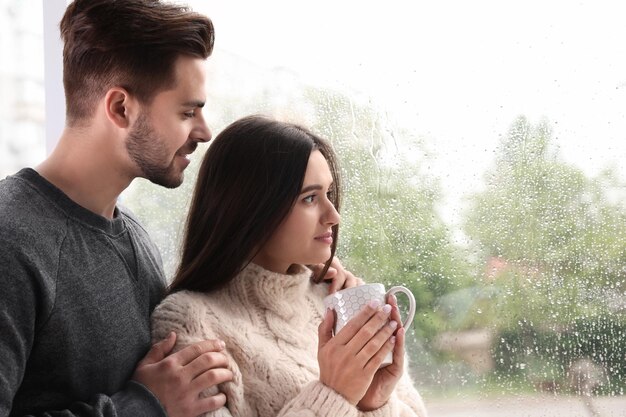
<point>178,379</point>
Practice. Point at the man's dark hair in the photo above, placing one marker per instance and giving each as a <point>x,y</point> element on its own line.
<point>132,44</point>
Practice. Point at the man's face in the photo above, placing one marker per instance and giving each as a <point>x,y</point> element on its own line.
<point>169,129</point>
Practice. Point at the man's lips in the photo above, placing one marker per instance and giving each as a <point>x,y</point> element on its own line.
<point>187,150</point>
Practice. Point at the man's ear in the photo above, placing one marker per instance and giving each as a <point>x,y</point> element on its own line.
<point>120,107</point>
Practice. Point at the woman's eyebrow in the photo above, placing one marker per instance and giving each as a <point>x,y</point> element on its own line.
<point>313,187</point>
<point>310,188</point>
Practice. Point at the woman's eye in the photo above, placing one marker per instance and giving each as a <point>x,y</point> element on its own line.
<point>309,199</point>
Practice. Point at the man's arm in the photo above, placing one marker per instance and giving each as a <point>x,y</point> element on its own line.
<point>159,383</point>
<point>25,301</point>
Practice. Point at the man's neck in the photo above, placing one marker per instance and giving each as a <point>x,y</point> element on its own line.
<point>86,174</point>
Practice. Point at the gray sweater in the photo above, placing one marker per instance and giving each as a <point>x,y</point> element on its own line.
<point>76,294</point>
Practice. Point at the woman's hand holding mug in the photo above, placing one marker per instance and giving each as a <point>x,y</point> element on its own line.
<point>364,359</point>
<point>386,378</point>
<point>349,360</point>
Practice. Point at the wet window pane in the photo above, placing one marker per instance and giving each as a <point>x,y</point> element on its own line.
<point>482,147</point>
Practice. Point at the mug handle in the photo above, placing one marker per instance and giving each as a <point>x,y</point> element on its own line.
<point>411,314</point>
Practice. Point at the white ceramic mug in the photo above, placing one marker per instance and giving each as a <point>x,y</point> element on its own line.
<point>349,301</point>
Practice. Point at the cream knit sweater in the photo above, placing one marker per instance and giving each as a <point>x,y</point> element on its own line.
<point>269,323</point>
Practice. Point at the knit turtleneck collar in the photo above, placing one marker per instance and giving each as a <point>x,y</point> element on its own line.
<point>282,294</point>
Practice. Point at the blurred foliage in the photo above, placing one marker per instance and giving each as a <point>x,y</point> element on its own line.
<point>555,238</point>
<point>554,242</point>
<point>547,221</point>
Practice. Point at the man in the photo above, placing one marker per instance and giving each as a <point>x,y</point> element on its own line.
<point>79,276</point>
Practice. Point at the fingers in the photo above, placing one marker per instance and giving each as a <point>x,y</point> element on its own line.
<point>330,273</point>
<point>380,351</point>
<point>398,351</point>
<point>159,350</point>
<point>317,269</point>
<point>362,327</point>
<point>358,281</point>
<point>392,300</point>
<point>336,280</point>
<point>349,360</point>
<point>191,352</point>
<point>325,329</point>
<point>395,310</point>
<point>212,403</point>
<point>339,277</point>
<point>211,378</point>
<point>379,345</point>
<point>178,378</point>
<point>342,279</point>
<point>351,280</point>
<point>207,360</point>
<point>335,263</point>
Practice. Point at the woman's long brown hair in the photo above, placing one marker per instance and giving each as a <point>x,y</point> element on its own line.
<point>249,179</point>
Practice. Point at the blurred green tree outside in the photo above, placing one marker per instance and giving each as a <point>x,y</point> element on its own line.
<point>559,236</point>
<point>554,241</point>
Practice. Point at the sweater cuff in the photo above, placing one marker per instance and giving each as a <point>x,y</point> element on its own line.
<point>387,410</point>
<point>137,400</point>
<point>325,401</point>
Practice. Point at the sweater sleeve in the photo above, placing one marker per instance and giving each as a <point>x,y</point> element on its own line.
<point>17,321</point>
<point>318,400</point>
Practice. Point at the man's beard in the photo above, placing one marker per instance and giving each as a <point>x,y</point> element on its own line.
<point>145,148</point>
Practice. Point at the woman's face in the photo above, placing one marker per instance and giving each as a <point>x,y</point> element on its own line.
<point>305,236</point>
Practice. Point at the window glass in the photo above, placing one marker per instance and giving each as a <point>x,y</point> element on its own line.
<point>481,145</point>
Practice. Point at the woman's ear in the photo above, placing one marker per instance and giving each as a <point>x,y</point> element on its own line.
<point>120,107</point>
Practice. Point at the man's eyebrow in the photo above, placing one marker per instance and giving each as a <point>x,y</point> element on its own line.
<point>194,103</point>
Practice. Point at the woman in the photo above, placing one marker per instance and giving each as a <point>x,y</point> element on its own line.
<point>264,207</point>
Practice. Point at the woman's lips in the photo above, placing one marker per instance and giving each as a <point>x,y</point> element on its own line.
<point>325,238</point>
